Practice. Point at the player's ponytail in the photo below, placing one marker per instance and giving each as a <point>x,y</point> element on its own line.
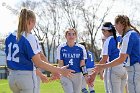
<point>135,29</point>
<point>113,30</point>
<point>22,25</point>
<point>25,16</point>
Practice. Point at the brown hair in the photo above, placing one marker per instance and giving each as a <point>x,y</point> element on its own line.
<point>124,20</point>
<point>72,30</point>
<point>25,15</point>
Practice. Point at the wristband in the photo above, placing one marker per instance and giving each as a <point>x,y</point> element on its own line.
<point>84,70</point>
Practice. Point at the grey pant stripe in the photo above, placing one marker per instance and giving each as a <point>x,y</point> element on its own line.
<point>111,85</point>
<point>33,82</point>
<point>134,79</point>
<point>107,80</point>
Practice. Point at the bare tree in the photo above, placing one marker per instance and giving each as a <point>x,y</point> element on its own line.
<point>53,16</point>
<point>53,13</point>
<point>90,18</point>
<point>71,12</point>
<point>55,20</point>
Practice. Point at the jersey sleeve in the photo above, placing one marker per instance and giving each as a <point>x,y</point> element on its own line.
<point>84,53</point>
<point>59,57</point>
<point>127,44</point>
<point>92,58</point>
<point>106,47</point>
<point>38,45</point>
<point>28,49</point>
<point>34,44</point>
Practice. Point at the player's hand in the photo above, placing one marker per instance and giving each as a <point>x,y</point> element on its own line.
<point>67,72</point>
<point>44,78</point>
<point>55,76</point>
<point>87,78</point>
<point>101,75</point>
<point>98,68</point>
<point>92,78</point>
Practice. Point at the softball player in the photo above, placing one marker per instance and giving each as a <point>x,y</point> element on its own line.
<point>22,54</point>
<point>74,55</point>
<point>129,52</point>
<point>114,77</point>
<point>90,65</point>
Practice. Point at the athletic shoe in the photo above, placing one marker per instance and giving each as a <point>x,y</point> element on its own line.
<point>84,90</point>
<point>93,91</point>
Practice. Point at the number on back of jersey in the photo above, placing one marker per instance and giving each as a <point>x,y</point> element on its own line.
<point>12,56</point>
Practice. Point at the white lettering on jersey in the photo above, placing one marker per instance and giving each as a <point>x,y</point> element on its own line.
<point>11,57</point>
<point>68,55</point>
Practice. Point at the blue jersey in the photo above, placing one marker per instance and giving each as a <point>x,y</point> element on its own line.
<point>71,55</point>
<point>110,48</point>
<point>90,60</point>
<point>19,53</point>
<point>131,46</point>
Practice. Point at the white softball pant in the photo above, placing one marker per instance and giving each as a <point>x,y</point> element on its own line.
<point>23,81</point>
<point>115,79</point>
<point>72,84</point>
<point>134,78</point>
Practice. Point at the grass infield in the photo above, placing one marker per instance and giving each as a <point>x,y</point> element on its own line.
<point>52,87</point>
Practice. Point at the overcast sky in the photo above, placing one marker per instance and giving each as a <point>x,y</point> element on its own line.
<point>8,21</point>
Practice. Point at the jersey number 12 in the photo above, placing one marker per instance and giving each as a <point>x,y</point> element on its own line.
<point>12,56</point>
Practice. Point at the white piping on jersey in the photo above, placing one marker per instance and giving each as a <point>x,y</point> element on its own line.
<point>59,48</point>
<point>84,50</point>
<point>106,46</point>
<point>14,33</point>
<point>124,45</point>
<point>32,40</point>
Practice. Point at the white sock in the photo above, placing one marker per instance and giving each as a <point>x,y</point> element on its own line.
<point>91,88</point>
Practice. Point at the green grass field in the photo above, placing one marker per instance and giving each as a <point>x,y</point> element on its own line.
<point>52,87</point>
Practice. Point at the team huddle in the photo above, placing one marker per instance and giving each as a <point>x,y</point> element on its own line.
<point>119,65</point>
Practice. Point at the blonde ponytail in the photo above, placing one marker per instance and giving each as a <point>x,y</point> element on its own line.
<point>22,25</point>
<point>25,15</point>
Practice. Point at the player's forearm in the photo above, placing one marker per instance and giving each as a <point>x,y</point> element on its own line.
<point>49,67</point>
<point>104,59</point>
<point>44,65</point>
<point>38,72</point>
<point>82,63</point>
<point>43,57</point>
<point>83,68</point>
<point>115,62</point>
